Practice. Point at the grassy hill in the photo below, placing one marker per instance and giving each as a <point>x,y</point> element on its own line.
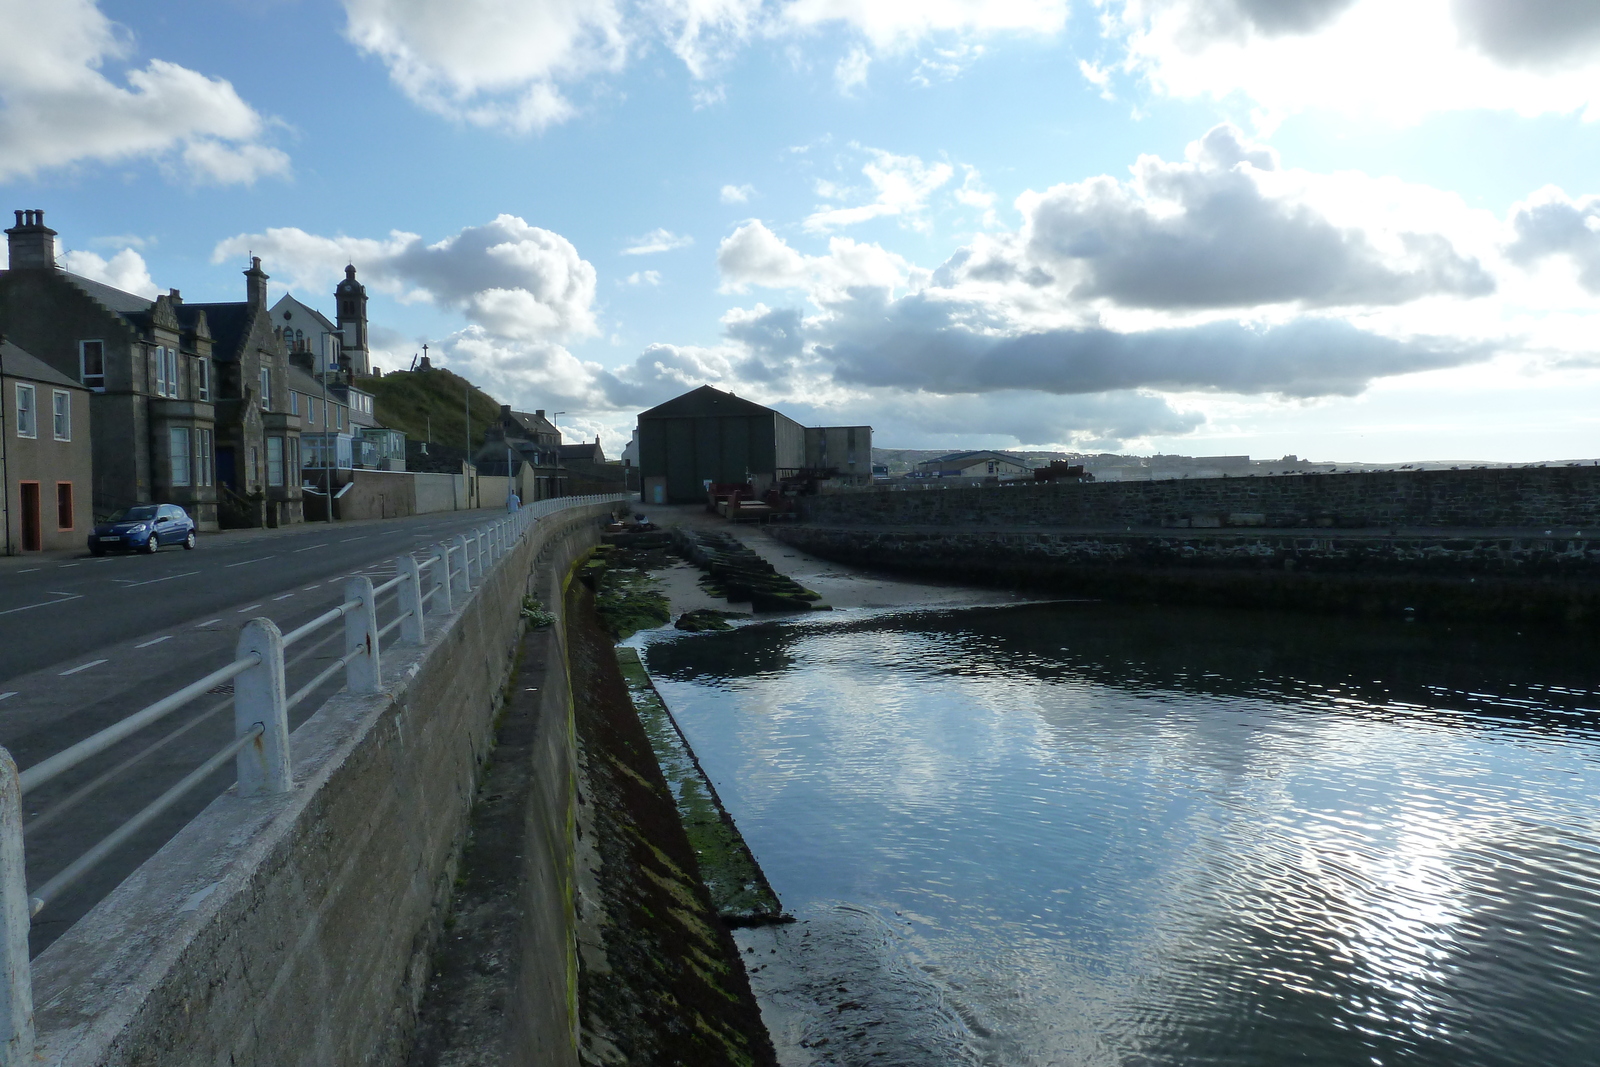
<point>413,400</point>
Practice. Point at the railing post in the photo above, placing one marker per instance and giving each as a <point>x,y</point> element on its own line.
<point>16,988</point>
<point>441,580</point>
<point>362,674</point>
<point>477,548</point>
<point>258,697</point>
<point>466,560</point>
<point>409,597</point>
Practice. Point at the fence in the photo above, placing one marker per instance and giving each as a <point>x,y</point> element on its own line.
<point>426,589</point>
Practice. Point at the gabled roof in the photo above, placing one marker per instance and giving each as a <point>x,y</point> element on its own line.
<point>228,322</point>
<point>19,364</point>
<point>301,306</point>
<point>532,421</point>
<point>589,451</point>
<point>703,402</point>
<point>125,304</point>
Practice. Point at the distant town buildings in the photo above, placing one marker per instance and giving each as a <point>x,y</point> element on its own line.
<point>238,412</point>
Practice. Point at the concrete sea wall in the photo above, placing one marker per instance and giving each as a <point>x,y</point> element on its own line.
<point>1543,497</point>
<point>299,929</point>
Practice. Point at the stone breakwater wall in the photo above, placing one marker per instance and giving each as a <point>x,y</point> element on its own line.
<point>1443,574</point>
<point>1535,498</point>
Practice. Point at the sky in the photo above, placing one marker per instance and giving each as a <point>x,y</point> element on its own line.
<point>1359,230</point>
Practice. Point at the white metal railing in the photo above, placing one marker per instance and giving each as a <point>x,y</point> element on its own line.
<point>260,746</point>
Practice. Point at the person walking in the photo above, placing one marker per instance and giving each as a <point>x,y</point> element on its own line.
<point>513,501</point>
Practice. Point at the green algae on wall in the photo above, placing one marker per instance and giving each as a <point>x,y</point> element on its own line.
<point>729,870</point>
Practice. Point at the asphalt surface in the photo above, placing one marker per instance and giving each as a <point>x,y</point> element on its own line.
<point>85,642</point>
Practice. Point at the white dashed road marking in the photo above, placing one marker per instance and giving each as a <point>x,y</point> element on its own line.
<point>285,596</point>
<point>168,578</point>
<point>156,641</point>
<point>45,603</point>
<point>242,562</point>
<point>7,696</point>
<point>250,607</point>
<point>208,622</point>
<point>81,667</point>
<point>308,548</point>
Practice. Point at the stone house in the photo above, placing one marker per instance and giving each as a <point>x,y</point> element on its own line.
<point>147,365</point>
<point>46,455</point>
<point>258,435</point>
<point>524,438</point>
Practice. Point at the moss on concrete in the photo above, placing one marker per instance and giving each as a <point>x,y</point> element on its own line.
<point>671,987</point>
<point>737,885</point>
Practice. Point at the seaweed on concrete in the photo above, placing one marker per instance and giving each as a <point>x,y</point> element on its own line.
<point>738,886</point>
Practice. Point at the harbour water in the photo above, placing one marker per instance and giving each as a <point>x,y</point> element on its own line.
<point>1095,834</point>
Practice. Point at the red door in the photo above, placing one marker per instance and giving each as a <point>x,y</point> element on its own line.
<point>32,537</point>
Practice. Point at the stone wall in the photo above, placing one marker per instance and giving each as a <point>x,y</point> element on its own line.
<point>1444,573</point>
<point>1525,498</point>
<point>298,929</point>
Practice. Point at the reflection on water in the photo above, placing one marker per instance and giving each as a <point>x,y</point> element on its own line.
<point>1134,835</point>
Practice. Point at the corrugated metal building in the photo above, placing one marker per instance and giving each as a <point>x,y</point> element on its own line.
<point>707,435</point>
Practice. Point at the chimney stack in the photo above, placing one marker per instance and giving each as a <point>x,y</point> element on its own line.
<point>174,296</point>
<point>256,283</point>
<point>32,244</point>
<point>540,413</point>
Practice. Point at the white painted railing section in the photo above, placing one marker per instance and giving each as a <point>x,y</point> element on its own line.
<point>260,747</point>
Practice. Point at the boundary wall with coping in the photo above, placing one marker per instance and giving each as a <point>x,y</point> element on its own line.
<point>298,929</point>
<point>1543,497</point>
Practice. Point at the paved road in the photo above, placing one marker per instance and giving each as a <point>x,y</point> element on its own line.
<point>85,642</point>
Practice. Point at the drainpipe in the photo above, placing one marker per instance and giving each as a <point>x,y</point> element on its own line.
<point>5,462</point>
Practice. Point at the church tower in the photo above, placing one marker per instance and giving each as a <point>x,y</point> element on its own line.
<point>350,302</point>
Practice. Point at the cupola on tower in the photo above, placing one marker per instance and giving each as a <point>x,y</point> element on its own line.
<point>350,302</point>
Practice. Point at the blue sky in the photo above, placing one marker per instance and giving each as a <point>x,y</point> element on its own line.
<point>1347,229</point>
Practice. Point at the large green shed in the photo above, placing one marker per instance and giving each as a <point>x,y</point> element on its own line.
<point>707,435</point>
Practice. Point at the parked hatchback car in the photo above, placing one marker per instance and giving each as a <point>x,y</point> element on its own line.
<point>143,528</point>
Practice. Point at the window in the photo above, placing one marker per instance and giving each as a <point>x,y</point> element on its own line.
<point>266,388</point>
<point>172,373</point>
<point>311,412</point>
<point>61,410</point>
<point>294,457</point>
<point>27,411</point>
<point>203,377</point>
<point>255,465</point>
<point>294,402</point>
<point>181,460</point>
<point>159,358</point>
<point>63,506</point>
<point>274,461</point>
<point>92,364</point>
<point>204,458</point>
<point>339,411</point>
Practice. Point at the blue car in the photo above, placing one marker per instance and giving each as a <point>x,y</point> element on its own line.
<point>143,528</point>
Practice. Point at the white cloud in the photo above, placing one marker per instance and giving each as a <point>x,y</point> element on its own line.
<point>737,194</point>
<point>126,270</point>
<point>657,241</point>
<point>490,62</point>
<point>1394,61</point>
<point>754,255</point>
<point>1227,228</point>
<point>644,277</point>
<point>512,63</point>
<point>57,107</point>
<point>851,71</point>
<point>515,280</point>
<point>902,185</point>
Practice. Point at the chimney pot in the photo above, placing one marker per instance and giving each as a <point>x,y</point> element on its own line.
<point>31,243</point>
<point>539,412</point>
<point>174,296</point>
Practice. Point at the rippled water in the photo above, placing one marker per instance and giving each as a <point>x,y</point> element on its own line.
<point>1090,834</point>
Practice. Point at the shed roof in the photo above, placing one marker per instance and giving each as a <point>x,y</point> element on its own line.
<point>705,402</point>
<point>20,364</point>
